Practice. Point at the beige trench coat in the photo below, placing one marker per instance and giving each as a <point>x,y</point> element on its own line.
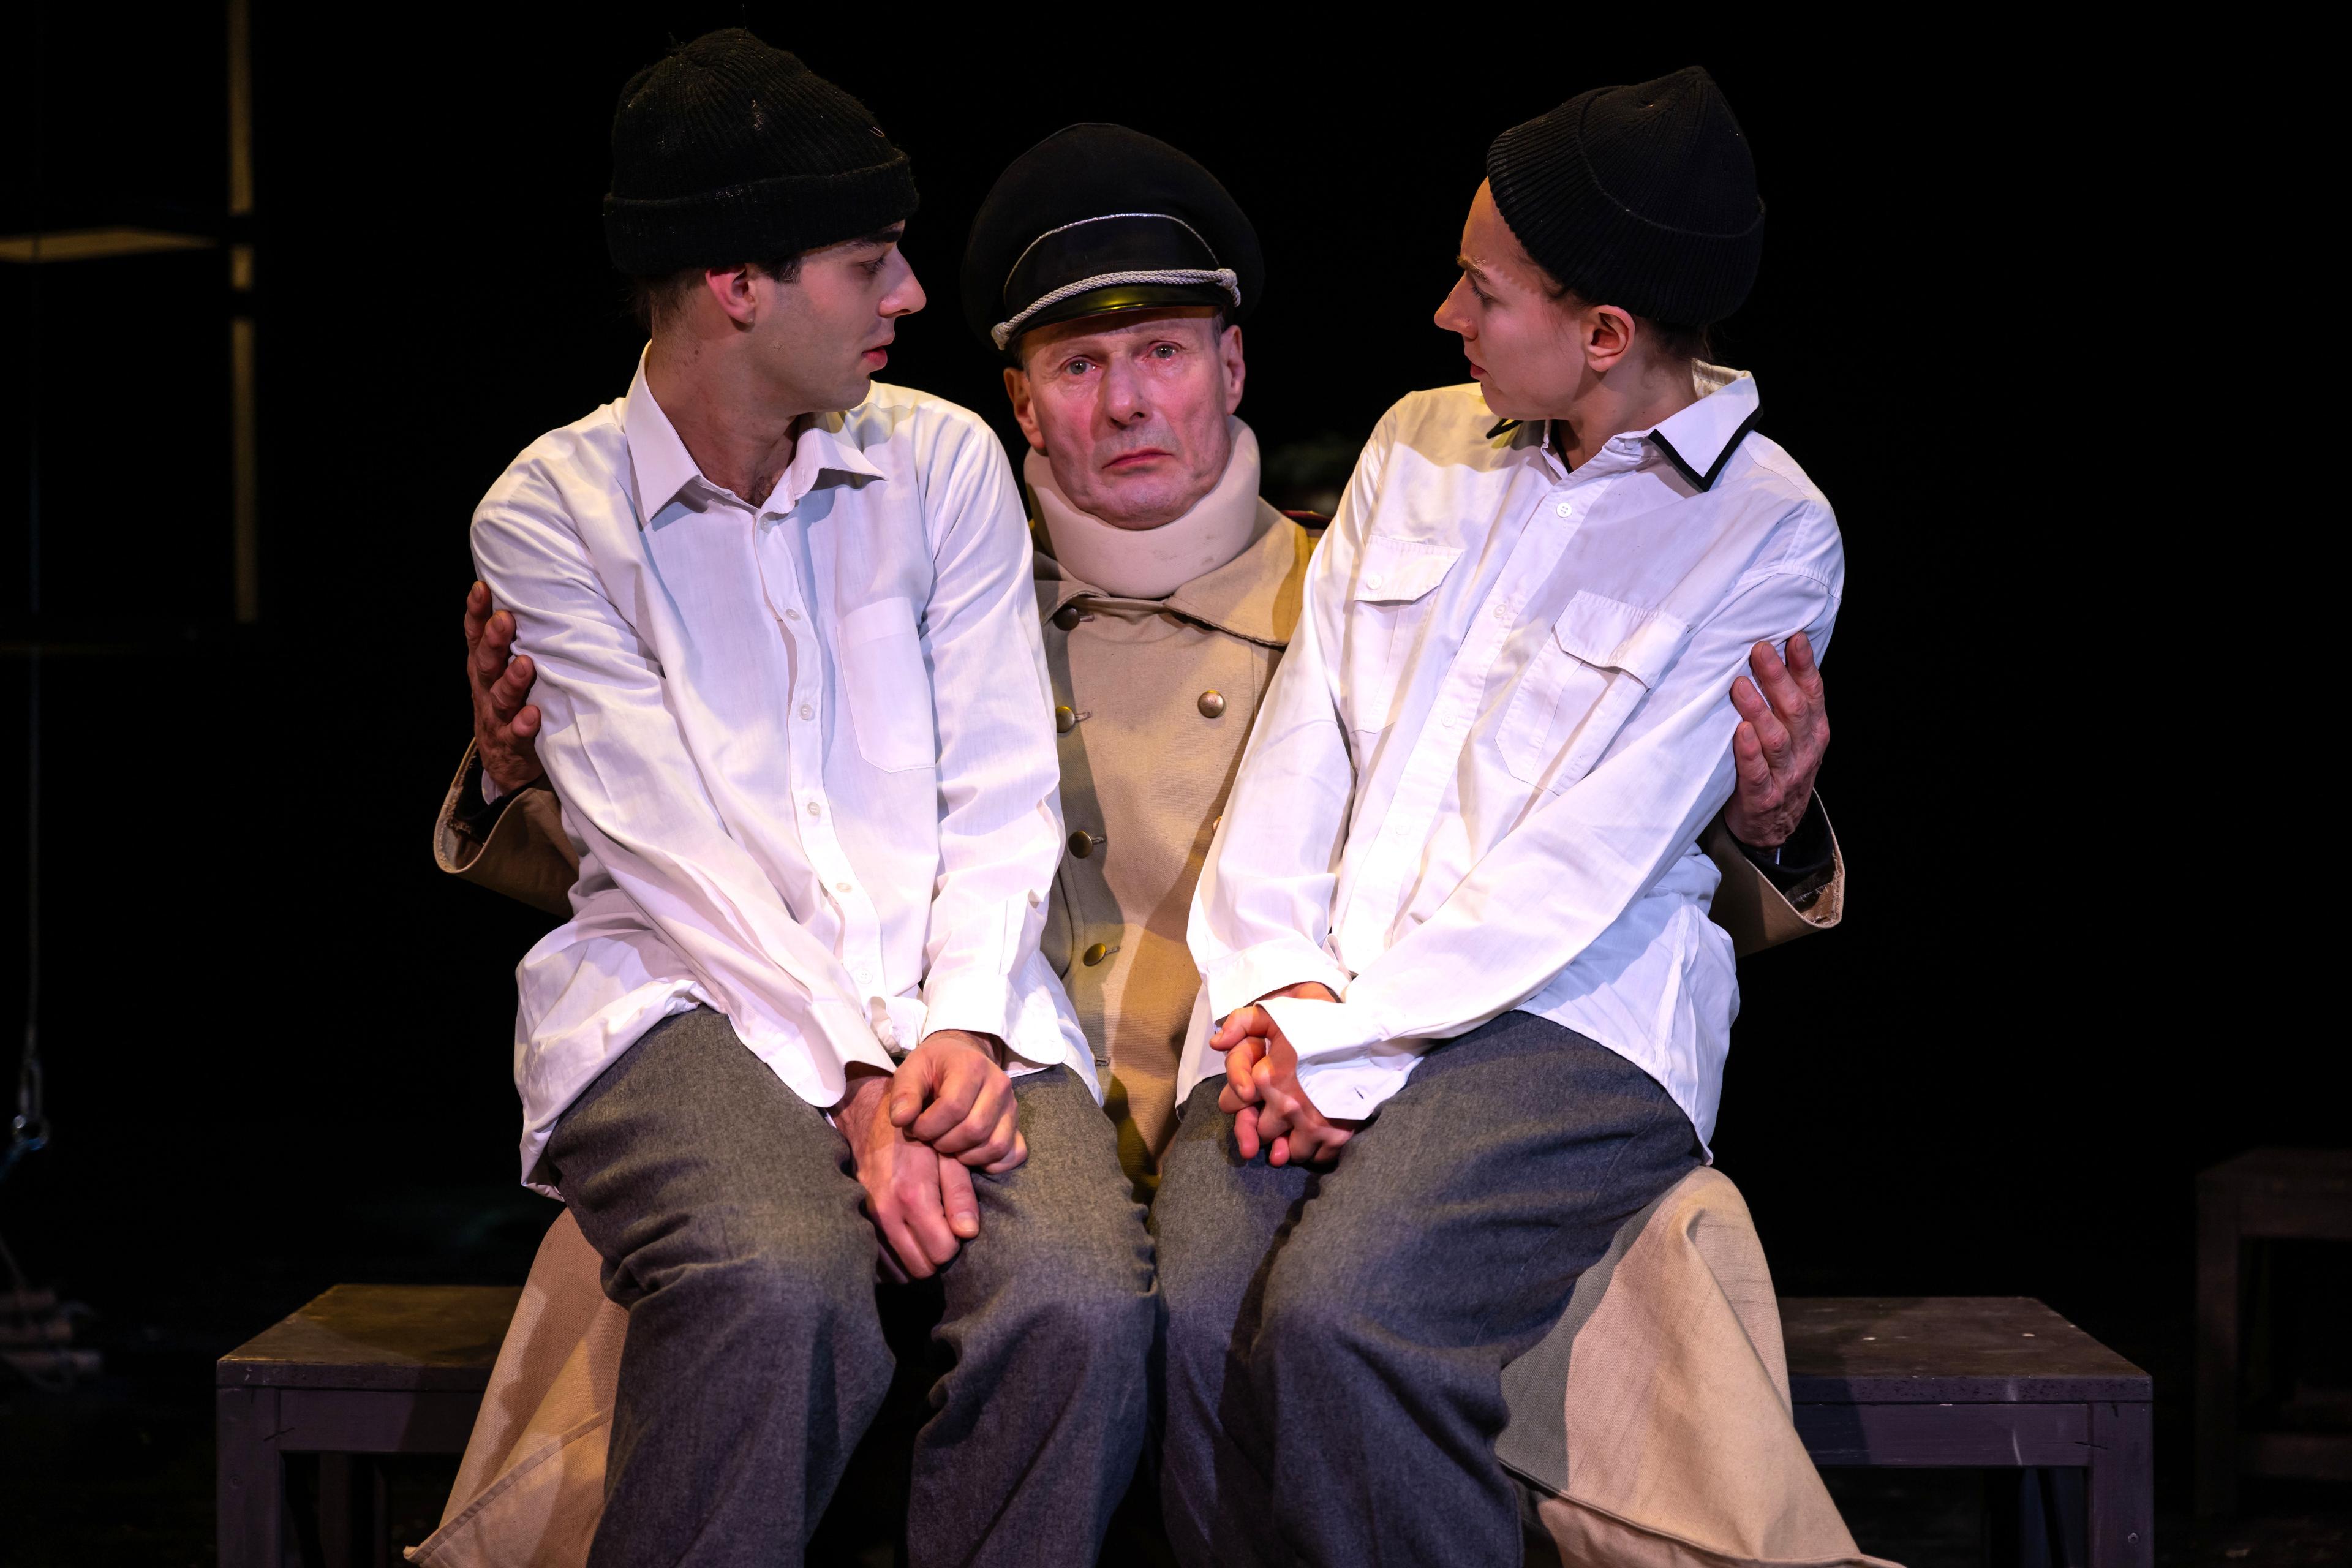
<point>1650,1430</point>
<point>1153,702</point>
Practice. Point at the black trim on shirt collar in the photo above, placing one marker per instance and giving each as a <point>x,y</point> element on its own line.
<point>1501,427</point>
<point>1707,481</point>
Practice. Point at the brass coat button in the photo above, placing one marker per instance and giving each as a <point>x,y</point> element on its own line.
<point>1096,953</point>
<point>1211,704</point>
<point>1064,720</point>
<point>1067,616</point>
<point>1082,843</point>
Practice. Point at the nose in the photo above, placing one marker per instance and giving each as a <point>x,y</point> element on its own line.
<point>1124,396</point>
<point>907,296</point>
<point>1453,311</point>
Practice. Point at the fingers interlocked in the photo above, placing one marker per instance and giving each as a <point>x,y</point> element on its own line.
<point>959,1101</point>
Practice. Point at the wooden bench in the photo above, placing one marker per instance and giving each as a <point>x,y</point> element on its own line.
<point>1991,1383</point>
<point>2263,1195</point>
<point>1996,1383</point>
<point>363,1370</point>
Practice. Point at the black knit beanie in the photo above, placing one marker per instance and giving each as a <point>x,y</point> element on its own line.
<point>725,151</point>
<point>1642,197</point>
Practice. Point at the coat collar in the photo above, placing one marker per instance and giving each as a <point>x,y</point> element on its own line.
<point>1254,597</point>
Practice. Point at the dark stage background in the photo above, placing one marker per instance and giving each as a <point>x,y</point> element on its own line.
<point>277,1040</point>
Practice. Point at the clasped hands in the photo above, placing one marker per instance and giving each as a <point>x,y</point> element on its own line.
<point>918,1134</point>
<point>1262,1093</point>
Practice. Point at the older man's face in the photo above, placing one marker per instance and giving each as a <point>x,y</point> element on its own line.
<point>1130,410</point>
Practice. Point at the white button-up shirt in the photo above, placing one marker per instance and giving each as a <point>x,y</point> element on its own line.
<point>802,748</point>
<point>1478,779</point>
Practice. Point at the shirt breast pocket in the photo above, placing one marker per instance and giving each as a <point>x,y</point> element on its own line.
<point>1387,610</point>
<point>1602,657</point>
<point>886,686</point>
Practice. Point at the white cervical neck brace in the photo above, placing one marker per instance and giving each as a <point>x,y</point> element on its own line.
<point>1153,562</point>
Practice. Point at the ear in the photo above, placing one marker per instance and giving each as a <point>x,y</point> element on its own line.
<point>1025,411</point>
<point>733,289</point>
<point>1608,337</point>
<point>1228,354</point>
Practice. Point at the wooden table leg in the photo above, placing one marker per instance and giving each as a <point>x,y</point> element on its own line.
<point>250,1479</point>
<point>2218,1338</point>
<point>2122,1486</point>
<point>379,1513</point>
<point>342,1508</point>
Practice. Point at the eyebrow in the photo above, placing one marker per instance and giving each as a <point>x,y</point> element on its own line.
<point>1472,267</point>
<point>890,235</point>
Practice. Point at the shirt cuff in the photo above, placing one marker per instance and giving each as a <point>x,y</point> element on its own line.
<point>1240,978</point>
<point>979,1003</point>
<point>1328,1031</point>
<point>1350,1091</point>
<point>798,1048</point>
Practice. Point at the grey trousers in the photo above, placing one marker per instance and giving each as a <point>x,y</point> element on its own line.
<point>731,1227</point>
<point>1335,1341</point>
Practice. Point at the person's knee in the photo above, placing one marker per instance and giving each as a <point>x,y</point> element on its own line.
<point>1103,1308</point>
<point>778,1284</point>
<point>1312,1317</point>
<point>1202,1300</point>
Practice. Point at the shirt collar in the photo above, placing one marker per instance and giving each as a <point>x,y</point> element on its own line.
<point>1698,441</point>
<point>1701,438</point>
<point>662,464</point>
<point>663,467</point>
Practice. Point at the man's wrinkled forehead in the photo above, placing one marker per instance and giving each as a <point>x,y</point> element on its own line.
<point>1107,334</point>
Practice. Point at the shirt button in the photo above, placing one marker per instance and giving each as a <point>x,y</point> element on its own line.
<point>1067,617</point>
<point>807,712</point>
<point>1374,581</point>
<point>1211,704</point>
<point>1082,843</point>
<point>1564,508</point>
<point>792,614</point>
<point>841,887</point>
<point>815,810</point>
<point>1064,720</point>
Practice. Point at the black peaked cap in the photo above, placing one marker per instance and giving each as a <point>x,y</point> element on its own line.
<point>1097,201</point>
<point>727,151</point>
<point>1640,197</point>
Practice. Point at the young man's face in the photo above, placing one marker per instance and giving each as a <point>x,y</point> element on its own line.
<point>1525,349</point>
<point>822,337</point>
<point>1130,410</point>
